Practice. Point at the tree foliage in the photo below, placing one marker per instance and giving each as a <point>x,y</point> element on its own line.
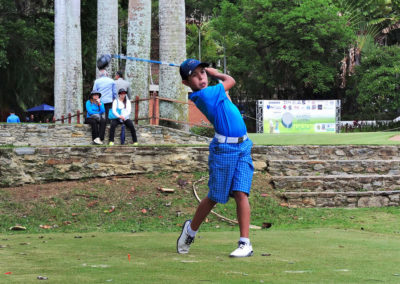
<point>377,83</point>
<point>274,48</point>
<point>211,49</point>
<point>278,47</point>
<point>89,36</point>
<point>26,55</point>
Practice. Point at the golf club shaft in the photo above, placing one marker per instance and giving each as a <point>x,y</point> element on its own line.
<point>118,56</point>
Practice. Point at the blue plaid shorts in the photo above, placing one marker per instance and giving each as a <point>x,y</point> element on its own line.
<point>230,169</point>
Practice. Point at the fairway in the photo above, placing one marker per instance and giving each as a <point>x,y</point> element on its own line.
<point>281,256</point>
<point>358,138</point>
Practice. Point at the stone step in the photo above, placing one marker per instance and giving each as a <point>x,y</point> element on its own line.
<point>333,167</point>
<point>343,183</point>
<point>344,152</point>
<point>349,199</point>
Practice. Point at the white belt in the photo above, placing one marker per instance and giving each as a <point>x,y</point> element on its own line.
<point>225,139</point>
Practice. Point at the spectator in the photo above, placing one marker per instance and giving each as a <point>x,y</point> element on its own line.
<point>105,86</point>
<point>13,118</point>
<point>120,83</point>
<point>95,117</point>
<point>31,118</point>
<point>120,112</point>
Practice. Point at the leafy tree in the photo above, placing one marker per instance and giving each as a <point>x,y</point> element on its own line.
<point>369,18</point>
<point>89,36</point>
<point>377,83</point>
<point>199,9</point>
<point>280,49</point>
<point>3,43</point>
<point>376,23</point>
<point>210,48</point>
<point>26,54</point>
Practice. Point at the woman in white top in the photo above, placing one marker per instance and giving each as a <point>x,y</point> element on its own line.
<point>121,108</point>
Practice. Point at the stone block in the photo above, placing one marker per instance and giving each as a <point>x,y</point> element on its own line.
<point>395,198</point>
<point>373,201</point>
<point>309,202</point>
<point>25,151</point>
<point>340,153</point>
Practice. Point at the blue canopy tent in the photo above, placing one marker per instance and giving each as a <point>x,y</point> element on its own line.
<point>41,108</point>
<point>41,113</point>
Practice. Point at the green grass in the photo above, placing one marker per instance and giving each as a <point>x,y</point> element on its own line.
<point>84,207</point>
<point>360,138</point>
<point>307,245</point>
<point>298,256</point>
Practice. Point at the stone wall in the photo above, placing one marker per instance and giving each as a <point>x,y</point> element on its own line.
<point>335,176</point>
<point>49,134</point>
<point>303,176</point>
<point>23,165</point>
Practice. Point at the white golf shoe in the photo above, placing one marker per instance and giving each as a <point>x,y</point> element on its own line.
<point>185,240</point>
<point>243,250</point>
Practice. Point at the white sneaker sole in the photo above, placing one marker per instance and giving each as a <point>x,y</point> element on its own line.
<point>237,256</point>
<point>177,241</point>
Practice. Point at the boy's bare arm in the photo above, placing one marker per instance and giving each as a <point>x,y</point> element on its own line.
<point>227,80</point>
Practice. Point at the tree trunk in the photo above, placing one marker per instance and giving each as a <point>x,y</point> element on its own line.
<point>138,45</point>
<point>172,49</point>
<point>60,58</point>
<point>68,58</point>
<point>74,47</point>
<point>107,31</point>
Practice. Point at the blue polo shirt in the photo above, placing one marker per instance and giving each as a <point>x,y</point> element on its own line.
<point>219,110</point>
<point>12,118</point>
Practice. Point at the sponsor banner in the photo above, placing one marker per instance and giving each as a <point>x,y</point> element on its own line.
<point>298,116</point>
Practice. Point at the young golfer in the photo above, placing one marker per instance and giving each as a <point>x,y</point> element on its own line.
<point>230,164</point>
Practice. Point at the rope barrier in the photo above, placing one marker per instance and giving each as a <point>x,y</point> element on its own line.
<point>120,56</point>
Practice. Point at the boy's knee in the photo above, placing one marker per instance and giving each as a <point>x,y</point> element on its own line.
<point>210,201</point>
<point>239,195</point>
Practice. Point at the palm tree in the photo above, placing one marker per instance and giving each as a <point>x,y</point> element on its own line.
<point>138,45</point>
<point>107,31</point>
<point>371,21</point>
<point>60,58</point>
<point>74,44</point>
<point>172,49</point>
<point>68,58</point>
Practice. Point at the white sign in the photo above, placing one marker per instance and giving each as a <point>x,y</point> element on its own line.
<point>298,116</point>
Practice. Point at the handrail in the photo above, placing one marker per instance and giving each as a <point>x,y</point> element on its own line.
<point>154,118</point>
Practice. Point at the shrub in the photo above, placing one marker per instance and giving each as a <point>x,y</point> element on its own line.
<point>203,131</point>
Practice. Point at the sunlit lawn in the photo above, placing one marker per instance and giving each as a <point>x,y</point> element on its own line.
<point>359,138</point>
<point>281,256</point>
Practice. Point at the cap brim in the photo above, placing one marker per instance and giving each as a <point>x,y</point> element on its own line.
<point>203,64</point>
